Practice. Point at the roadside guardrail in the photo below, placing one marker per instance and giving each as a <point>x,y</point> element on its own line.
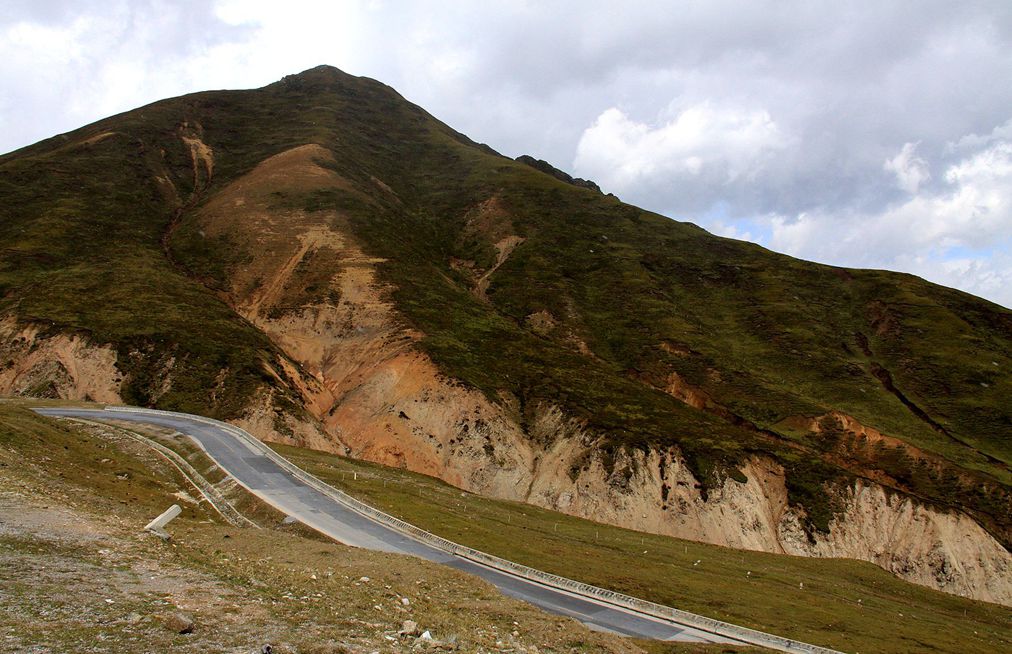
<point>667,613</point>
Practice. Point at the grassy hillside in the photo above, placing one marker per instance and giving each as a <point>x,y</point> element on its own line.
<point>847,605</point>
<point>81,227</point>
<point>613,313</point>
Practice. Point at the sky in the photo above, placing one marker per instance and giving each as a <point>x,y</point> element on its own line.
<point>866,134</point>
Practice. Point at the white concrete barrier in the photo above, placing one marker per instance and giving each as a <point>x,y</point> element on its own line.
<point>157,526</point>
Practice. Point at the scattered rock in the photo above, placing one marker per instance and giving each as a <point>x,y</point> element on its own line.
<point>178,622</point>
<point>545,167</point>
<point>136,618</point>
<point>162,534</point>
<point>427,642</point>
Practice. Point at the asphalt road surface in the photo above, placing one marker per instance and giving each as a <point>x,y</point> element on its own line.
<point>279,488</point>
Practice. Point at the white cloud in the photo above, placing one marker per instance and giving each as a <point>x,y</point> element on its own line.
<point>911,171</point>
<point>929,234</point>
<point>719,147</point>
<point>973,210</point>
<point>976,141</point>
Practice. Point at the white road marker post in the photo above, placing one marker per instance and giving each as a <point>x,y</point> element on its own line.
<point>157,526</point>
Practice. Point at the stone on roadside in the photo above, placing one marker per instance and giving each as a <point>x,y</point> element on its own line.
<point>133,619</point>
<point>178,622</point>
<point>427,642</point>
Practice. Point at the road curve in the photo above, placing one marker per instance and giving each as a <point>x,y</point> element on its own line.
<point>281,489</point>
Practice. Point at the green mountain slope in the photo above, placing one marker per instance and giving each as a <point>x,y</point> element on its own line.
<point>652,332</point>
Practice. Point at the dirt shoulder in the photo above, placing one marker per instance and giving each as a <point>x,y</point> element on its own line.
<point>80,575</point>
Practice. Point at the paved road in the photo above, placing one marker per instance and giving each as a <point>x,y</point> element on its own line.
<point>290,495</point>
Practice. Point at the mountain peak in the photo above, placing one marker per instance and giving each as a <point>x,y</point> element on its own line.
<point>323,71</point>
<point>323,77</point>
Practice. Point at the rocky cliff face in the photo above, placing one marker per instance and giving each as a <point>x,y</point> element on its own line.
<point>353,359</point>
<point>654,492</point>
<point>55,365</point>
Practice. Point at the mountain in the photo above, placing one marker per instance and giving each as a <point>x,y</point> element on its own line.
<point>327,264</point>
